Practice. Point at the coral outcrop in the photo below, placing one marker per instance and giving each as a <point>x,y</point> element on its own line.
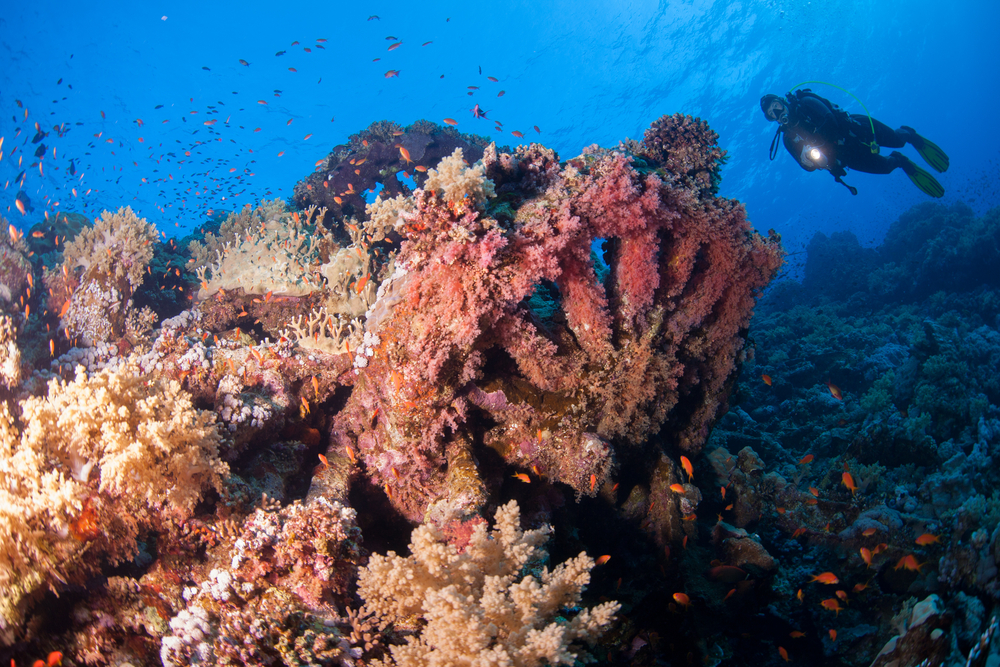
<point>507,310</point>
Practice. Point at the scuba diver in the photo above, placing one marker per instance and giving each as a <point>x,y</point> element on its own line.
<point>821,135</point>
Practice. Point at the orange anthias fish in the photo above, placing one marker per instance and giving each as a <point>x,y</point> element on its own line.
<point>834,390</point>
<point>826,578</point>
<point>848,481</point>
<point>796,634</point>
<point>450,121</point>
<point>783,653</point>
<point>603,559</point>
<point>688,468</point>
<point>866,556</point>
<point>521,476</point>
<point>909,562</point>
<point>517,134</point>
<point>808,458</point>
<point>832,605</point>
<point>766,378</point>
<point>678,488</point>
<point>682,599</point>
<point>405,154</point>
<point>928,538</point>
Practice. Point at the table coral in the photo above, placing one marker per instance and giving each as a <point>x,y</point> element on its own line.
<point>646,336</point>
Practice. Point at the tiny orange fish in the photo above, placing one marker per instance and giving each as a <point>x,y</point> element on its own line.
<point>688,468</point>
<point>825,578</point>
<point>798,531</point>
<point>593,482</point>
<point>766,378</point>
<point>783,653</point>
<point>450,121</point>
<point>832,605</point>
<point>928,538</point>
<point>834,390</point>
<point>393,47</point>
<point>682,599</point>
<point>842,595</point>
<point>848,481</point>
<point>909,562</point>
<point>800,595</point>
<point>678,488</point>
<point>833,635</point>
<point>603,559</point>
<point>324,461</point>
<point>796,634</point>
<point>722,489</point>
<point>521,476</point>
<point>866,556</point>
<point>859,587</point>
<point>813,490</point>
<point>879,548</point>
<point>517,134</point>
<point>406,154</point>
<point>868,532</point>
<point>808,458</point>
<point>392,73</point>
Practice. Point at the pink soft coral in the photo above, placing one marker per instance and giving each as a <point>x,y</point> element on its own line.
<point>562,359</point>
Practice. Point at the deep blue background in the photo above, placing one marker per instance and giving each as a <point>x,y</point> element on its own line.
<point>584,72</point>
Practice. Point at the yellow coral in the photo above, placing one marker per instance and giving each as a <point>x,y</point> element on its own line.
<point>458,181</point>
<point>142,438</point>
<point>142,442</point>
<point>476,606</point>
<point>118,246</point>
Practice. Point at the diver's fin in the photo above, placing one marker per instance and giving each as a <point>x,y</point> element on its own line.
<point>929,151</point>
<point>922,179</point>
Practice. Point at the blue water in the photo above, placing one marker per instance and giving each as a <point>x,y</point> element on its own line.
<point>583,72</point>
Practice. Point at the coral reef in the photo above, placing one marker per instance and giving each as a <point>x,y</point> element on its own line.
<point>191,474</point>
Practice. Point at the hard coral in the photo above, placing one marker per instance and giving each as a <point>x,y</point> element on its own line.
<point>372,158</point>
<point>262,250</point>
<point>686,148</point>
<point>647,335</point>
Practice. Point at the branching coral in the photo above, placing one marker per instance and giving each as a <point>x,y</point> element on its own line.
<point>477,604</point>
<point>115,441</point>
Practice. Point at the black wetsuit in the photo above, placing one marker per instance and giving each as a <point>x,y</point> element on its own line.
<point>843,139</point>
